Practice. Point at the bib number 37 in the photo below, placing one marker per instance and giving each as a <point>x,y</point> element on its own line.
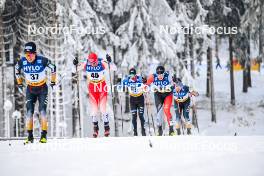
<point>34,76</point>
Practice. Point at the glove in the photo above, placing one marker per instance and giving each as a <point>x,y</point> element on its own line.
<point>108,58</point>
<point>20,88</point>
<point>52,84</point>
<point>174,79</point>
<point>75,61</point>
<point>144,80</point>
<point>119,80</point>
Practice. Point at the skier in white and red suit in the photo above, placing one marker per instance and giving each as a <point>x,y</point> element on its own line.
<point>96,75</point>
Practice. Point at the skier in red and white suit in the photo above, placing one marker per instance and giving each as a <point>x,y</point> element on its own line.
<point>96,71</point>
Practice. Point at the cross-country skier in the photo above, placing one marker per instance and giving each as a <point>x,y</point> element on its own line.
<point>34,67</point>
<point>96,71</point>
<point>182,99</point>
<point>162,85</point>
<point>135,86</point>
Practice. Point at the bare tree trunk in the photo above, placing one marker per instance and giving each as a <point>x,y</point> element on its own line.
<point>208,78</point>
<point>248,65</point>
<point>2,77</point>
<point>191,55</point>
<point>184,53</point>
<point>76,105</point>
<point>245,79</point>
<point>261,31</point>
<point>232,86</point>
<point>211,80</point>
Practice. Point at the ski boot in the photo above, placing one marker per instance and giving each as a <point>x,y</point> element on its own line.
<point>96,129</point>
<point>189,126</point>
<point>189,132</point>
<point>135,133</point>
<point>107,129</point>
<point>160,131</point>
<point>178,131</point>
<point>30,138</point>
<point>143,132</point>
<point>171,131</point>
<point>43,137</point>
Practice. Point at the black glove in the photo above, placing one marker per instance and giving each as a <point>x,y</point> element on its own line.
<point>108,58</point>
<point>75,61</point>
<point>144,80</point>
<point>20,88</point>
<point>174,79</point>
<point>52,84</point>
<point>119,80</point>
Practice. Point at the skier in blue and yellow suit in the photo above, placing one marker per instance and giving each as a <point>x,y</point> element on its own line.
<point>34,67</point>
<point>182,99</point>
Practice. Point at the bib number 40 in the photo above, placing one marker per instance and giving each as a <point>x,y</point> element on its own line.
<point>95,75</point>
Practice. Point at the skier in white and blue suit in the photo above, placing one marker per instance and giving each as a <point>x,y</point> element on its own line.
<point>182,100</point>
<point>33,67</point>
<point>135,86</point>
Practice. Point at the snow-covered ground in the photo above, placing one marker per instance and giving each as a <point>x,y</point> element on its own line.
<point>170,156</point>
<point>246,117</point>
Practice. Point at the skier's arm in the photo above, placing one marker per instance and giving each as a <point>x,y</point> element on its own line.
<point>111,65</point>
<point>52,67</point>
<point>150,79</point>
<point>80,66</point>
<point>194,93</point>
<point>18,68</point>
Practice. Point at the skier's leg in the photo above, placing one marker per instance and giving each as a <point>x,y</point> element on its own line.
<point>186,110</point>
<point>159,105</point>
<point>30,105</point>
<point>93,100</point>
<point>167,107</point>
<point>43,101</point>
<point>133,110</point>
<point>102,104</point>
<point>177,117</point>
<point>141,114</point>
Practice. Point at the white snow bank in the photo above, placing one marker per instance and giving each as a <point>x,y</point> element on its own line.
<point>184,155</point>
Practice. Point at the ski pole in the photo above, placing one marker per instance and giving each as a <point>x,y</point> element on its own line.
<point>195,114</point>
<point>78,103</point>
<point>116,123</point>
<point>146,102</point>
<point>121,109</point>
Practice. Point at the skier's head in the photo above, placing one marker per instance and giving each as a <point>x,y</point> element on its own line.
<point>132,72</point>
<point>178,84</point>
<point>30,51</point>
<point>160,72</point>
<point>93,59</point>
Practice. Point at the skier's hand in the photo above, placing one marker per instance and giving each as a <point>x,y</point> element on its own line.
<point>144,80</point>
<point>194,93</point>
<point>119,80</point>
<point>75,61</point>
<point>20,88</point>
<point>52,84</point>
<point>108,58</point>
<point>174,79</point>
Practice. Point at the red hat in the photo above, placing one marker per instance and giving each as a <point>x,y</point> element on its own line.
<point>92,57</point>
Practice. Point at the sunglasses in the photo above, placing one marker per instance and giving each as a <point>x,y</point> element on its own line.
<point>30,53</point>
